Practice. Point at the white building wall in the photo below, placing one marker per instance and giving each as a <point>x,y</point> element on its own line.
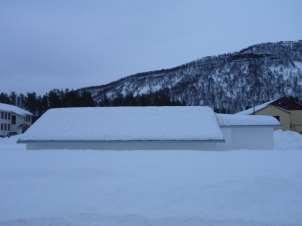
<point>236,137</point>
<point>19,121</point>
<point>3,121</point>
<point>227,134</point>
<point>14,128</point>
<point>2,132</point>
<point>248,137</point>
<point>124,145</point>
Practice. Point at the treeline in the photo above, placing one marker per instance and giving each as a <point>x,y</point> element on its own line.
<point>38,104</point>
<point>160,98</point>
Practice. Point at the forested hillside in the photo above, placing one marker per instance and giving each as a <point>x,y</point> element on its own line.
<point>228,82</point>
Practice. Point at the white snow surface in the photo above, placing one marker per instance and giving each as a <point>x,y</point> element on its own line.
<point>161,188</point>
<point>255,108</point>
<point>15,109</point>
<point>126,123</point>
<point>287,140</point>
<point>246,120</point>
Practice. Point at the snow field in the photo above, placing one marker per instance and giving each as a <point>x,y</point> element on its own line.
<point>111,188</point>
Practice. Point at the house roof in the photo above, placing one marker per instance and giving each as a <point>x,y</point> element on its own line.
<point>288,103</point>
<point>285,103</point>
<point>255,108</point>
<point>15,109</point>
<point>246,120</point>
<point>126,123</point>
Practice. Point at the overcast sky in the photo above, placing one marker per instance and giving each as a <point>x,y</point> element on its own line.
<point>74,43</point>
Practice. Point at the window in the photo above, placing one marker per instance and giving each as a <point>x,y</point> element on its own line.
<point>277,117</point>
<point>1,114</point>
<point>1,126</point>
<point>8,127</point>
<point>27,119</point>
<point>13,120</point>
<point>9,114</point>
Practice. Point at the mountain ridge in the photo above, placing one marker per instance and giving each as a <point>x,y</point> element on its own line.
<point>230,81</point>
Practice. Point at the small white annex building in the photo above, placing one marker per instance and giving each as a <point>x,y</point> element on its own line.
<point>148,128</point>
<point>247,131</point>
<point>13,120</point>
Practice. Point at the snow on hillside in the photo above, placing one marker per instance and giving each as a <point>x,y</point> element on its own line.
<point>229,82</point>
<point>135,188</point>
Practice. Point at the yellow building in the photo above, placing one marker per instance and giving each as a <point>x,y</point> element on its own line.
<point>286,109</point>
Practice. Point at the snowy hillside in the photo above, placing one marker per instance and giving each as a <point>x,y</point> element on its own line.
<point>162,188</point>
<point>228,82</point>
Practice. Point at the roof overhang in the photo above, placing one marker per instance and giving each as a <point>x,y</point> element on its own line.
<point>21,141</point>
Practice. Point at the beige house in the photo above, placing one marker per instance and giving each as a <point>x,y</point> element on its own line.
<point>13,120</point>
<point>286,109</point>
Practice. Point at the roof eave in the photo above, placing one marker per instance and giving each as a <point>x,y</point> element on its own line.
<point>24,141</point>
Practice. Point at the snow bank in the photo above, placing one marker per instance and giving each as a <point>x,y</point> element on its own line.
<point>80,188</point>
<point>287,140</point>
<point>10,144</point>
<point>126,123</point>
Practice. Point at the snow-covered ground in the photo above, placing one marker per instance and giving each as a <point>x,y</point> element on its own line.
<point>287,140</point>
<point>167,188</point>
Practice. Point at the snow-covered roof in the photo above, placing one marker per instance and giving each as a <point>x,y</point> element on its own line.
<point>246,120</point>
<point>15,109</point>
<point>256,108</point>
<point>126,123</point>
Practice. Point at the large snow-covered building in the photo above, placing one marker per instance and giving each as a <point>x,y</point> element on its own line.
<point>13,120</point>
<point>142,128</point>
<point>129,128</point>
